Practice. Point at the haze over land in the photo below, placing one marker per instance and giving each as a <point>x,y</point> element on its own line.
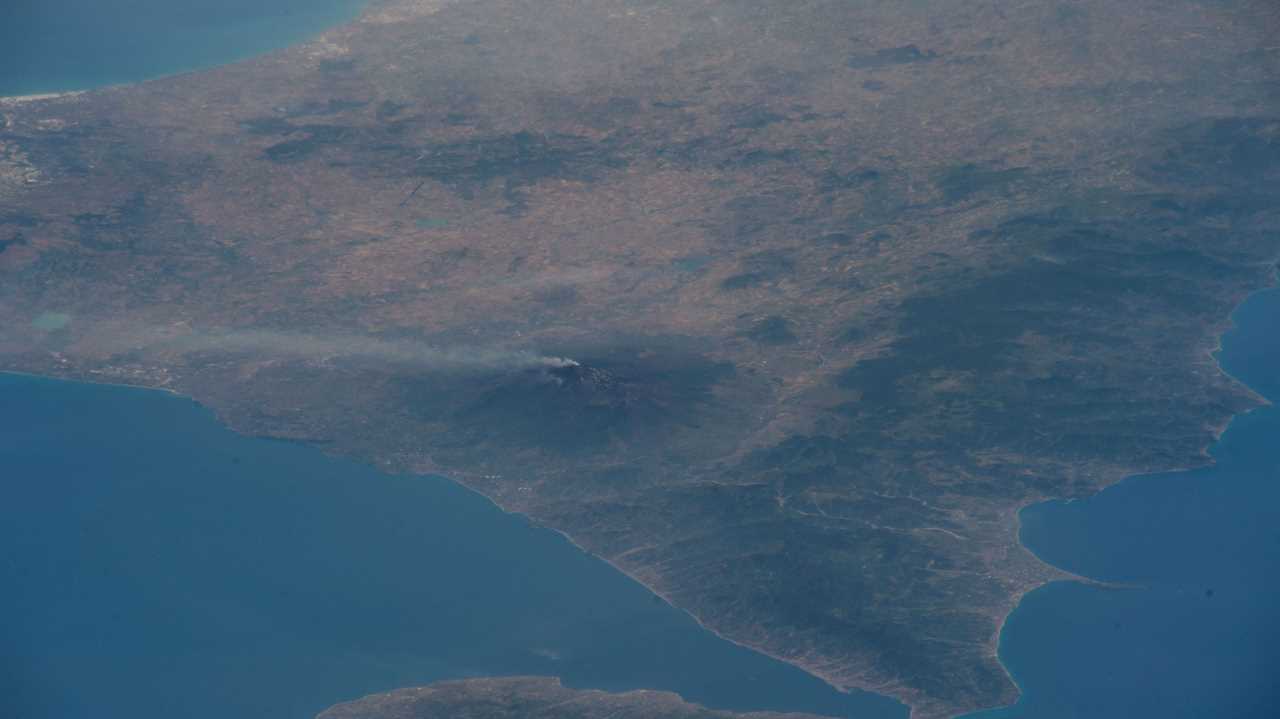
<point>845,284</point>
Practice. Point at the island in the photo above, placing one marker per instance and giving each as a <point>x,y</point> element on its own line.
<point>528,698</point>
<point>784,309</point>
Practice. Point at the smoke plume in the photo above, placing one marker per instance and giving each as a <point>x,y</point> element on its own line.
<point>274,344</point>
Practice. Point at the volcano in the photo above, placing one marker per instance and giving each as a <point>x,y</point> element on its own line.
<point>595,380</point>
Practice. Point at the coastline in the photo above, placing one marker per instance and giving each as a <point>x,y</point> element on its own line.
<point>458,479</point>
<point>1218,431</point>
<point>361,14</point>
<point>1016,598</point>
<point>453,479</point>
<point>1059,574</point>
<point>830,681</point>
<point>78,380</point>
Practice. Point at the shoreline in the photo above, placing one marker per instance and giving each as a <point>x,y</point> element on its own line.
<point>452,478</point>
<point>77,380</point>
<point>1015,599</point>
<point>1063,575</point>
<point>701,625</point>
<point>1218,432</point>
<point>360,15</point>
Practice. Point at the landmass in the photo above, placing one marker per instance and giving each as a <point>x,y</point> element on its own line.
<point>528,698</point>
<point>785,309</point>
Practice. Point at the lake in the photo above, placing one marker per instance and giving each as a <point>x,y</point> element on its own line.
<point>57,45</point>
<point>1199,633</point>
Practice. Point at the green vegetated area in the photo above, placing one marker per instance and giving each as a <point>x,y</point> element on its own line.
<point>1002,383</point>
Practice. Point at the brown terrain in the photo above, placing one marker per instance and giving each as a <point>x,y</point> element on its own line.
<point>527,698</point>
<point>785,309</point>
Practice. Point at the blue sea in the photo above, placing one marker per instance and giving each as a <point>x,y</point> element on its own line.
<point>58,45</point>
<point>157,565</point>
<point>1194,631</point>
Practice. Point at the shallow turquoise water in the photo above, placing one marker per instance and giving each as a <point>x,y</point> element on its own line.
<point>55,45</point>
<point>1200,635</point>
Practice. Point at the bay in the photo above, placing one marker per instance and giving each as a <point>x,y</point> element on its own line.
<point>1193,629</point>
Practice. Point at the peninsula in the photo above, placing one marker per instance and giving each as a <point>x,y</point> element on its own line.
<point>785,309</point>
